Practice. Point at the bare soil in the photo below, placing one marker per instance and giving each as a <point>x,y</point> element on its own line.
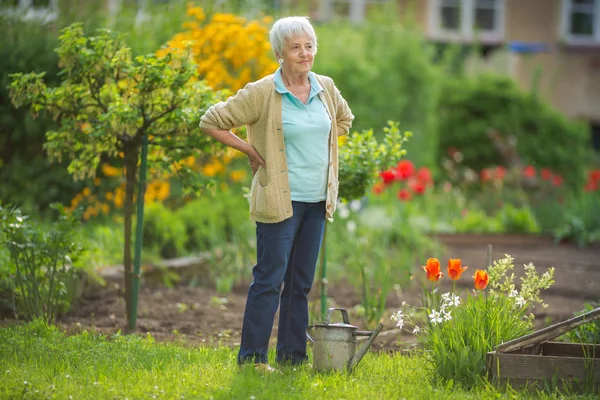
<point>196,315</point>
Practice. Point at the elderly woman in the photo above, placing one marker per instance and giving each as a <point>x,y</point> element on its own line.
<point>293,119</point>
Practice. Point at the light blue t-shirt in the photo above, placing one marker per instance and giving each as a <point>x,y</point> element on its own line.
<point>306,130</point>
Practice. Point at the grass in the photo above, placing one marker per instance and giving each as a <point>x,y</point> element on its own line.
<point>38,361</point>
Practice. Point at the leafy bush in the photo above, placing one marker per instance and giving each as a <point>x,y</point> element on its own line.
<point>588,332</point>
<point>385,72</point>
<point>164,232</point>
<point>40,262</point>
<point>28,178</point>
<point>472,108</point>
<point>581,222</point>
<point>477,221</point>
<point>362,157</point>
<point>518,220</point>
<point>460,332</point>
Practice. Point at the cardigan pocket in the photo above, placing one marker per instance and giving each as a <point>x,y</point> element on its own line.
<point>260,176</point>
<point>263,204</point>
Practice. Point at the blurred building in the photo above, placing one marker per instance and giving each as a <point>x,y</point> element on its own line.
<point>550,46</point>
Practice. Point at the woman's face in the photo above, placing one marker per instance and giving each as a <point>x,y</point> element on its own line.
<point>298,54</point>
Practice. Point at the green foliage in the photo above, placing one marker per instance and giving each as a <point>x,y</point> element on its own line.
<point>28,179</point>
<point>374,248</point>
<point>37,357</point>
<point>477,221</point>
<point>458,336</point>
<point>471,108</point>
<point>220,225</point>
<point>164,232</point>
<point>362,158</point>
<point>40,262</point>
<point>581,223</point>
<point>385,72</point>
<point>517,220</point>
<point>110,102</point>
<point>588,332</point>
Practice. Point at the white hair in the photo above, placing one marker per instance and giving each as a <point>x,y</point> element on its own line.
<point>286,28</point>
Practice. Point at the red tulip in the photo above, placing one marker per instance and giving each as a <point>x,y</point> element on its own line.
<point>454,269</point>
<point>417,186</point>
<point>529,171</point>
<point>557,180</point>
<point>405,170</point>
<point>546,174</point>
<point>404,195</point>
<point>485,175</point>
<point>433,269</point>
<point>499,173</point>
<point>378,187</point>
<point>481,279</point>
<point>424,175</point>
<point>388,176</point>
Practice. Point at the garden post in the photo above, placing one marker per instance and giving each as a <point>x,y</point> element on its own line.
<point>324,274</point>
<point>139,234</point>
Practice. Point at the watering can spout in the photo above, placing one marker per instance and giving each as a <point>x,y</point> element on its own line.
<point>365,347</point>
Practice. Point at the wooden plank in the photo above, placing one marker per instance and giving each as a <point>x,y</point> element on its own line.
<point>549,333</point>
<point>530,367</point>
<point>561,349</point>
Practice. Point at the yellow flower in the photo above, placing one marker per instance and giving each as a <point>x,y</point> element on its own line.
<point>237,175</point>
<point>86,192</point>
<point>342,140</point>
<point>109,170</point>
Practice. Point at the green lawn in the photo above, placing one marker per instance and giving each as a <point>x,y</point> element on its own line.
<point>40,362</point>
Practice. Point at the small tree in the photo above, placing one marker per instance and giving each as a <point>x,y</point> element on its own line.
<point>109,103</point>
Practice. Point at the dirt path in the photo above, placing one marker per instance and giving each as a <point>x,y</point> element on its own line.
<point>199,315</point>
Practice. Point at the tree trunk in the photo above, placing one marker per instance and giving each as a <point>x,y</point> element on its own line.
<point>131,159</point>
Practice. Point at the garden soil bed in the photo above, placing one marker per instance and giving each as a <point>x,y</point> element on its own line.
<point>199,315</point>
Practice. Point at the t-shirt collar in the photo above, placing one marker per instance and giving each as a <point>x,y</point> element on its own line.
<point>315,87</point>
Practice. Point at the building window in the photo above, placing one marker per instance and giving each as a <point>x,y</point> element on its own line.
<point>581,21</point>
<point>467,19</point>
<point>43,10</point>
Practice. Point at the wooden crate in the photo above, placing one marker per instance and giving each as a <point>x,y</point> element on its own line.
<point>535,361</point>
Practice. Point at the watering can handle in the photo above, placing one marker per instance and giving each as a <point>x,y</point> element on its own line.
<point>344,315</point>
<point>308,334</point>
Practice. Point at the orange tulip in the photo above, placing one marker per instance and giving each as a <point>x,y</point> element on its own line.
<point>481,279</point>
<point>454,269</point>
<point>433,269</point>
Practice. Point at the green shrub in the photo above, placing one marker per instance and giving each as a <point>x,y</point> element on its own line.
<point>477,221</point>
<point>28,178</point>
<point>39,263</point>
<point>164,231</point>
<point>471,108</point>
<point>518,220</point>
<point>461,331</point>
<point>588,332</point>
<point>385,72</point>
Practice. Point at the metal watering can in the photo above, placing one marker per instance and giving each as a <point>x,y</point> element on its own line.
<point>334,345</point>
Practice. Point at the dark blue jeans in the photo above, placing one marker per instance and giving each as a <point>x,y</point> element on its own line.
<point>287,254</point>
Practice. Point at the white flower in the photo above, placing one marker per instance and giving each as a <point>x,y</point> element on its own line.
<point>25,382</point>
<point>67,376</point>
<point>520,301</point>
<point>447,316</point>
<point>344,212</point>
<point>416,330</point>
<point>355,205</point>
<point>351,226</point>
<point>400,324</point>
<point>513,293</point>
<point>446,297</point>
<point>435,317</point>
<point>455,301</point>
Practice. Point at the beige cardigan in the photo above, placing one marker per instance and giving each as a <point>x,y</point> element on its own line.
<point>258,106</point>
